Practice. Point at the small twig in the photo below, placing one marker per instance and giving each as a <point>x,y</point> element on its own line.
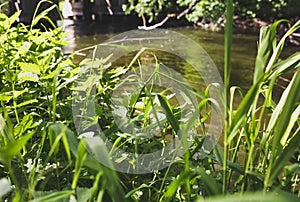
<point>78,52</point>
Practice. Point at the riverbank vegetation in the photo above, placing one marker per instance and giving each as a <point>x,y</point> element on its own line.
<point>211,13</point>
<point>43,158</point>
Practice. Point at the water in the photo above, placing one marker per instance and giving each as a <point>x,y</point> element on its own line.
<point>244,49</point>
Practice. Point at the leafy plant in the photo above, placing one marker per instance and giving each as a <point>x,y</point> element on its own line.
<point>43,159</point>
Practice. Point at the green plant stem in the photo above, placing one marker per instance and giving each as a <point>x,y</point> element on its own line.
<point>227,67</point>
<point>235,154</point>
<point>15,102</point>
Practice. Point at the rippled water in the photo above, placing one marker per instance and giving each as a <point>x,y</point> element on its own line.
<point>244,49</point>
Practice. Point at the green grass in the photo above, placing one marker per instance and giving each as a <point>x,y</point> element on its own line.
<point>42,157</point>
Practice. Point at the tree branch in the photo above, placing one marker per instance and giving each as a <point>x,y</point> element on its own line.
<point>178,16</point>
<point>145,27</point>
<point>109,7</point>
<point>188,9</point>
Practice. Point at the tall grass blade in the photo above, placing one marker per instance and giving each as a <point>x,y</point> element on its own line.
<point>171,190</point>
<point>81,156</point>
<point>285,156</point>
<point>43,14</point>
<point>227,68</point>
<point>54,197</point>
<point>283,113</point>
<point>170,116</point>
<point>280,45</point>
<point>266,46</point>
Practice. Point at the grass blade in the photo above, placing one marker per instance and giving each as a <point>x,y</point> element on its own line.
<point>170,116</point>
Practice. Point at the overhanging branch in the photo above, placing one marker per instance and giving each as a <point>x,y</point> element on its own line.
<point>178,16</point>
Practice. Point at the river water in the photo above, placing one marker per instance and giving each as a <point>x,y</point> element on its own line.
<point>244,48</point>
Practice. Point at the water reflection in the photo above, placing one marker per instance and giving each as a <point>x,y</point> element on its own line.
<point>244,47</point>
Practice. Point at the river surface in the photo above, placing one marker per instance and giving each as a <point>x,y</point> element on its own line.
<point>244,48</point>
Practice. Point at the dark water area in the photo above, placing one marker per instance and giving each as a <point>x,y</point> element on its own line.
<point>244,47</point>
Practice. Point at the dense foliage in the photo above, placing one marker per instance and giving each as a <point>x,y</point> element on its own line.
<point>212,11</point>
<point>42,158</point>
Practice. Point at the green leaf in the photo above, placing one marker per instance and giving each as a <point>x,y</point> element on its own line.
<point>171,190</point>
<point>14,147</point>
<point>267,43</point>
<point>5,98</point>
<point>96,146</point>
<point>284,156</point>
<point>83,194</point>
<point>14,17</point>
<point>294,117</point>
<point>54,197</point>
<point>290,63</point>
<point>23,49</point>
<point>97,149</point>
<point>280,45</point>
<point>28,76</point>
<point>30,67</point>
<point>279,123</point>
<point>170,116</point>
<point>81,156</point>
<point>210,182</point>
<point>43,14</point>
<point>28,102</point>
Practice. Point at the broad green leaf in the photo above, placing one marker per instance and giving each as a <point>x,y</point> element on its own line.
<point>293,168</point>
<point>98,147</point>
<point>30,67</point>
<point>263,53</point>
<point>4,97</point>
<point>60,133</point>
<point>97,150</point>
<point>243,109</point>
<point>83,194</point>
<point>28,76</point>
<point>286,108</point>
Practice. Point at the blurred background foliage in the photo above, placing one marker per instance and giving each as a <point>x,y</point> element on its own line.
<point>212,11</point>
